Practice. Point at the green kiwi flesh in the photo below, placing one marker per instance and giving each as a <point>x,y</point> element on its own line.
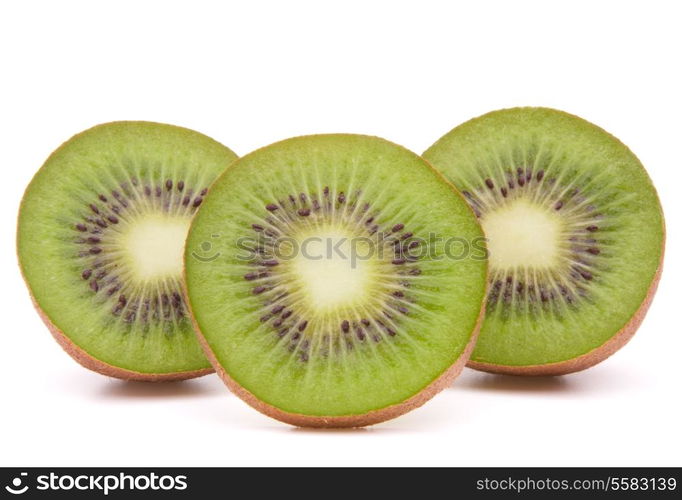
<point>306,335</point>
<point>100,238</point>
<point>575,232</point>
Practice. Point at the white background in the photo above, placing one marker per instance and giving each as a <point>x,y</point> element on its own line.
<point>254,73</point>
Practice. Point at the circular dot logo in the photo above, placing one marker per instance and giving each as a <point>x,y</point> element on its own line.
<point>16,487</point>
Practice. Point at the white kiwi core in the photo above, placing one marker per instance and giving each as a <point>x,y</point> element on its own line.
<point>154,246</point>
<point>522,235</point>
<point>333,269</point>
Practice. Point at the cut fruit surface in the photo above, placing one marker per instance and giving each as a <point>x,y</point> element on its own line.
<point>575,234</point>
<point>101,234</point>
<point>318,274</point>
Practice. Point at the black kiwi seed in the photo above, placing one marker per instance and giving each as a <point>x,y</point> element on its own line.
<point>586,274</point>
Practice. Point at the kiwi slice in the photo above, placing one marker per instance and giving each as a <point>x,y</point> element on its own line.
<point>329,297</point>
<point>575,233</point>
<point>101,232</point>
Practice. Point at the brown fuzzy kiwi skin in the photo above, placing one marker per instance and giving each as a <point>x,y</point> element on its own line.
<point>443,381</point>
<point>344,421</point>
<point>86,360</point>
<point>94,364</point>
<point>591,358</point>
